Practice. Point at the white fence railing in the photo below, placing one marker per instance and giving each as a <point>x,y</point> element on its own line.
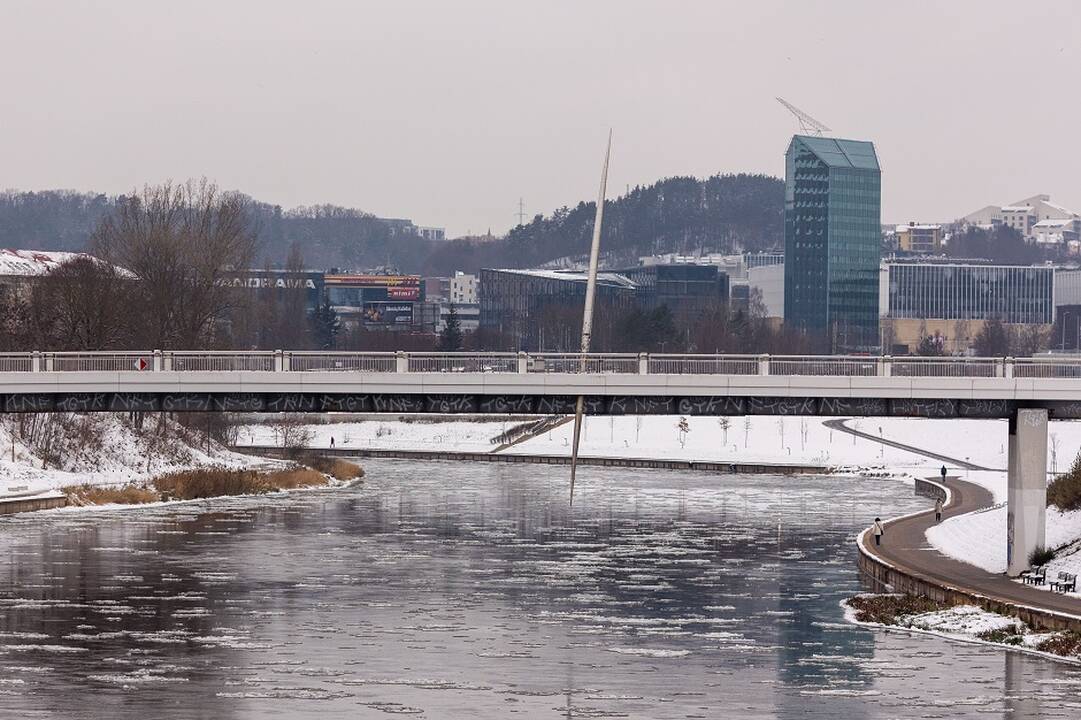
<point>569,363</point>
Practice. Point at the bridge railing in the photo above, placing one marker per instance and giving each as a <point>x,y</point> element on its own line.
<point>524,363</point>
<point>462,362</point>
<point>703,364</point>
<point>341,361</point>
<point>627,363</point>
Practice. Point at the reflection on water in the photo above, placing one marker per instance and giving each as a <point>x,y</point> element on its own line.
<point>453,590</point>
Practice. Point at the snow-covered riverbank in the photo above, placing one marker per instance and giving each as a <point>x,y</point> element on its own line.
<point>104,449</point>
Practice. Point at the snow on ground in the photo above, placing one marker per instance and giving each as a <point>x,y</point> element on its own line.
<point>113,452</point>
<point>967,622</point>
<point>980,539</point>
<point>391,435</point>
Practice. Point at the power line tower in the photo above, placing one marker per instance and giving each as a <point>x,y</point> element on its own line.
<point>521,212</point>
<point>807,124</point>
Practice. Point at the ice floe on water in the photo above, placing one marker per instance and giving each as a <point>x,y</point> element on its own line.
<point>449,590</point>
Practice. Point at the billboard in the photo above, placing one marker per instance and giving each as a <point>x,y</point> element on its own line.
<point>380,313</point>
<point>373,288</point>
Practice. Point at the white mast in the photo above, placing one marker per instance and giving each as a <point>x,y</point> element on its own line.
<point>587,315</point>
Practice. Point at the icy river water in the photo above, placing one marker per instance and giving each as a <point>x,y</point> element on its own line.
<point>448,590</point>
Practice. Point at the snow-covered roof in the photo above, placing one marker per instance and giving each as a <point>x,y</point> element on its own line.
<point>31,263</point>
<point>35,263</point>
<point>1064,211</point>
<point>1055,223</point>
<point>609,278</point>
<point>1016,208</point>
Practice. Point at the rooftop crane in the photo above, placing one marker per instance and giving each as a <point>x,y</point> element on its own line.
<point>807,124</point>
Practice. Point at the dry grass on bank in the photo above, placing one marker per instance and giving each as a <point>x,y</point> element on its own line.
<point>335,467</point>
<point>885,609</point>
<point>98,495</point>
<point>218,482</point>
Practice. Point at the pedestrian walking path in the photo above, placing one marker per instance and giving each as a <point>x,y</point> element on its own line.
<point>839,424</point>
<point>904,545</point>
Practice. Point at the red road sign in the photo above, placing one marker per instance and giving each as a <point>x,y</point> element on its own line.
<point>141,364</point>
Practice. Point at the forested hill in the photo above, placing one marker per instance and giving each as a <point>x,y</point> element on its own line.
<point>724,213</point>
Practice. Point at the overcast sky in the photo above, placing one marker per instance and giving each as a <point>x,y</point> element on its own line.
<point>447,112</point>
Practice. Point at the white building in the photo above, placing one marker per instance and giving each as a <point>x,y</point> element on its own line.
<point>1024,216</point>
<point>463,289</point>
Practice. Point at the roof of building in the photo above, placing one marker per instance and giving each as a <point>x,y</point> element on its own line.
<point>607,278</point>
<point>918,227</point>
<point>32,263</point>
<point>1016,208</point>
<point>1064,211</point>
<point>837,152</point>
<point>1055,223</point>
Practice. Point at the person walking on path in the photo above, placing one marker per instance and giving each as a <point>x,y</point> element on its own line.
<point>331,442</point>
<point>938,509</point>
<point>879,531</point>
<point>942,472</point>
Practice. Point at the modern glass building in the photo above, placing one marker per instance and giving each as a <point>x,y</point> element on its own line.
<point>833,240</point>
<point>961,291</point>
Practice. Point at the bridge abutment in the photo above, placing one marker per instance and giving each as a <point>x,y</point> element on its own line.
<point>1026,498</point>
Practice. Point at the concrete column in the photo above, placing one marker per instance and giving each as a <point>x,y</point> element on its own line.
<point>278,367</point>
<point>1026,496</point>
<point>763,364</point>
<point>35,361</point>
<point>156,365</point>
<point>885,366</point>
<point>401,362</point>
<point>523,363</point>
<point>643,364</point>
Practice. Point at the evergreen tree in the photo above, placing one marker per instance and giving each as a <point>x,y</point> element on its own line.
<point>450,338</point>
<point>993,340</point>
<point>326,325</point>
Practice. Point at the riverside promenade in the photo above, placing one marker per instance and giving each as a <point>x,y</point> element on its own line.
<point>905,562</point>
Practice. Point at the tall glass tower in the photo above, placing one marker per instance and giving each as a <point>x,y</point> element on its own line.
<point>832,239</point>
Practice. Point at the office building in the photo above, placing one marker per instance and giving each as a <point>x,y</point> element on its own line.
<point>954,300</point>
<point>686,290</point>
<point>919,239</point>
<point>833,241</point>
<point>542,309</point>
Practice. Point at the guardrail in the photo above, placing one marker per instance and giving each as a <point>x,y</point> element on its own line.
<point>524,363</point>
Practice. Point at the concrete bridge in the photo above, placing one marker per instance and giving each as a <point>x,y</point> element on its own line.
<point>1027,391</point>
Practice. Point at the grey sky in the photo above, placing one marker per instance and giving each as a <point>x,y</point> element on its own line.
<point>446,112</point>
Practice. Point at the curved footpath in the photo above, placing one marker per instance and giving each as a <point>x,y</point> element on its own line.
<point>905,562</point>
<point>839,424</point>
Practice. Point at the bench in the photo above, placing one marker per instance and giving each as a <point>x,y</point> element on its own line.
<point>1066,582</point>
<point>1034,577</point>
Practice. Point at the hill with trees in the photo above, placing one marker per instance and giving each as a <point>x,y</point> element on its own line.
<point>723,213</point>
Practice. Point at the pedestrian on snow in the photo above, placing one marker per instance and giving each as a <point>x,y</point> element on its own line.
<point>938,509</point>
<point>332,441</point>
<point>879,531</point>
<point>942,472</point>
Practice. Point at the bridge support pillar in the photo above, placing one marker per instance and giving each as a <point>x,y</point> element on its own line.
<point>1026,499</point>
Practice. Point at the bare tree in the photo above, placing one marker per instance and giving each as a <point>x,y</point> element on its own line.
<point>82,304</point>
<point>178,241</point>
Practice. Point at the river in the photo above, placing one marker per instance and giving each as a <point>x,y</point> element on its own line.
<point>452,590</point>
